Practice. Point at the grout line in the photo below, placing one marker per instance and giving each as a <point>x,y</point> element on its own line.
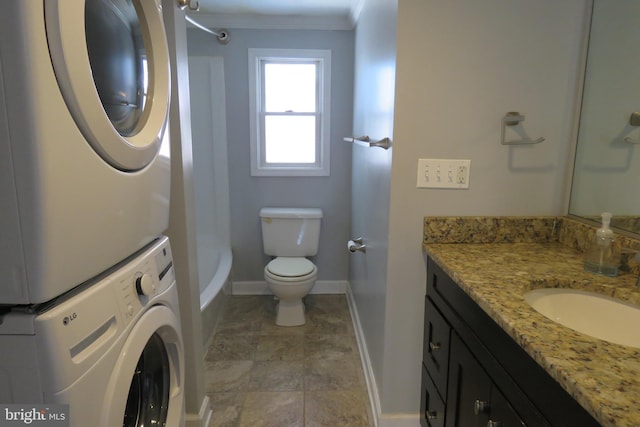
<point>354,345</point>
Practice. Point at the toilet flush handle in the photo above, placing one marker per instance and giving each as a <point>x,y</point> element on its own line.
<point>356,245</point>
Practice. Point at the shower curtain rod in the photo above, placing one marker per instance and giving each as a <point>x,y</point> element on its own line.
<point>222,34</point>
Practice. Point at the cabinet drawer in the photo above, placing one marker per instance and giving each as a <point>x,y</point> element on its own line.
<point>435,351</point>
<point>432,409</point>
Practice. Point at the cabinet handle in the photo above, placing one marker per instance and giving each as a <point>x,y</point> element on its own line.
<point>434,345</point>
<point>481,407</point>
<point>432,415</point>
<point>492,423</point>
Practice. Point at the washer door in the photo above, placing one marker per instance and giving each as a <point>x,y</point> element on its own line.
<point>146,384</point>
<point>112,65</point>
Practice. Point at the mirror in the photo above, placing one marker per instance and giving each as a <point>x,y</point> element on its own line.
<point>606,173</point>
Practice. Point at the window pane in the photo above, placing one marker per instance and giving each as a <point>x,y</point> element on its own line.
<point>290,87</point>
<point>290,139</point>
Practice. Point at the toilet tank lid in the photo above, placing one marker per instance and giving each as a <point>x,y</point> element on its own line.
<point>291,213</point>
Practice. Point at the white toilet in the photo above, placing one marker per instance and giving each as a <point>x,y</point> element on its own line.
<point>290,235</point>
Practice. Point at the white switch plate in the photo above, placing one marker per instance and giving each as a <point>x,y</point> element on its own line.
<point>443,173</point>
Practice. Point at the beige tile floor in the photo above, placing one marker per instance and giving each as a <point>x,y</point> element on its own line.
<point>262,375</point>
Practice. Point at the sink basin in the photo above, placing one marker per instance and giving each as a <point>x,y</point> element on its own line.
<point>590,313</point>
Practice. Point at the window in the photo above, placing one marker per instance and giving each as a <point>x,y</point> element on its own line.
<point>289,117</point>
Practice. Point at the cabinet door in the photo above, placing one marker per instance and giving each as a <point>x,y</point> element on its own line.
<point>435,352</point>
<point>501,414</point>
<point>469,394</point>
<point>431,405</point>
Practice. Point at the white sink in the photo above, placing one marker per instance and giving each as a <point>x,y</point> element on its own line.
<point>592,314</point>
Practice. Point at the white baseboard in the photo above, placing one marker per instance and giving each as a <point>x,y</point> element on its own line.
<point>260,287</point>
<point>379,419</point>
<point>399,420</point>
<point>202,418</point>
<point>369,377</point>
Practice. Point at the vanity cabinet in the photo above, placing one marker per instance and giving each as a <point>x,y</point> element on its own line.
<point>474,399</point>
<point>435,366</point>
<point>475,375</point>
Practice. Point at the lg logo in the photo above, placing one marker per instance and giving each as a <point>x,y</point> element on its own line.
<point>70,318</point>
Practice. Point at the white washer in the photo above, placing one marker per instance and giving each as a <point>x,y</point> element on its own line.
<point>84,97</point>
<point>113,351</point>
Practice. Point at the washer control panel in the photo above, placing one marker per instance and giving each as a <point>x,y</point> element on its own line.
<point>145,285</point>
<point>152,274</point>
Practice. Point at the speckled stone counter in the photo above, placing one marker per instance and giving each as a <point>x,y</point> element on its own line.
<point>544,252</point>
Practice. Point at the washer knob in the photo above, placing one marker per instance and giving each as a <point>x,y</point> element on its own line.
<point>145,285</point>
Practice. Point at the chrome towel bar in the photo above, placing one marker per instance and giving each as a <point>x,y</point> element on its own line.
<point>366,141</point>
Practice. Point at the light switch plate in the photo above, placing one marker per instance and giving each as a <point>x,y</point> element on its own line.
<point>443,173</point>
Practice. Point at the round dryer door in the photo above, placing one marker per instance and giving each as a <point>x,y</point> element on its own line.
<point>146,384</point>
<point>112,65</point>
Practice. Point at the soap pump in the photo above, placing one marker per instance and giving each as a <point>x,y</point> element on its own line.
<point>603,257</point>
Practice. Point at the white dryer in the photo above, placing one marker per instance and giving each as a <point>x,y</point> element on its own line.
<point>113,351</point>
<point>84,165</point>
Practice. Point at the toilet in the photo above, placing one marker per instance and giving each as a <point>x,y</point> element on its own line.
<point>290,235</point>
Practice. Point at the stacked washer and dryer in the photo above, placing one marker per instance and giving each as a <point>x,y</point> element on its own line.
<point>89,312</point>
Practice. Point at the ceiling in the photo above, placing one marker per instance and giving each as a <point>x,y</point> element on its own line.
<point>281,14</point>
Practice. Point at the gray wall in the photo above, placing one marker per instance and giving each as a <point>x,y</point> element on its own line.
<point>375,68</point>
<point>249,194</point>
<point>460,66</point>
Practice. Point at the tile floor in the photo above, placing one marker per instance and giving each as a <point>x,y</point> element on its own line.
<point>262,375</point>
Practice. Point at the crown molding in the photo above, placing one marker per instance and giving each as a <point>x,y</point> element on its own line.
<point>356,9</point>
<point>274,22</point>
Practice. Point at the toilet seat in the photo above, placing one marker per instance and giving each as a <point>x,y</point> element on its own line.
<point>290,269</point>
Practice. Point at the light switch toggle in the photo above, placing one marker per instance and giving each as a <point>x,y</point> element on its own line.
<point>443,173</point>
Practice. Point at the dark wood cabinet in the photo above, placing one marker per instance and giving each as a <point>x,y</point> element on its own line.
<point>435,366</point>
<point>475,375</point>
<point>432,404</point>
<point>469,393</point>
<point>502,414</point>
<point>435,349</point>
<point>474,400</point>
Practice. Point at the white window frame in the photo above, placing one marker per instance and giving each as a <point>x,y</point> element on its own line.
<point>259,166</point>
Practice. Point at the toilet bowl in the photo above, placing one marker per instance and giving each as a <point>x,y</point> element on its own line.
<point>290,235</point>
<point>290,279</point>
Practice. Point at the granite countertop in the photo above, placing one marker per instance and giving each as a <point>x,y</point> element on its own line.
<point>603,377</point>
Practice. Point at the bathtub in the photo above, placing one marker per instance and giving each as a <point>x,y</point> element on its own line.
<point>219,281</point>
<point>211,186</point>
<point>213,294</point>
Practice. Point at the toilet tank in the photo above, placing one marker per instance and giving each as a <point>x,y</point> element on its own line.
<point>290,231</point>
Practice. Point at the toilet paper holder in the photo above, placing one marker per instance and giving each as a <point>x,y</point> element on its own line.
<point>356,245</point>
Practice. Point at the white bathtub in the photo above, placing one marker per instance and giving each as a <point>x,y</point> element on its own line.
<point>212,296</point>
<point>211,186</point>
<point>219,280</point>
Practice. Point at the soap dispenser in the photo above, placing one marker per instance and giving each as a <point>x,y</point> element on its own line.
<point>603,256</point>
